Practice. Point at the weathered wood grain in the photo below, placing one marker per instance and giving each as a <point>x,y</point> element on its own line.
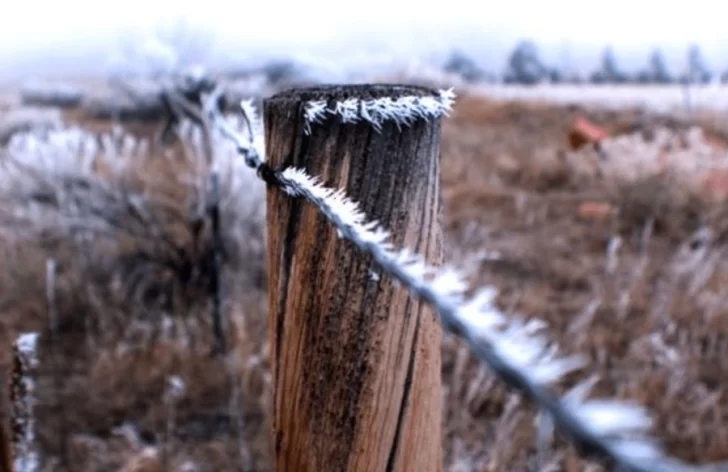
<point>356,360</point>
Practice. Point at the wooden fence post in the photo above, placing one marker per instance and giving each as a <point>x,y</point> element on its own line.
<point>355,359</point>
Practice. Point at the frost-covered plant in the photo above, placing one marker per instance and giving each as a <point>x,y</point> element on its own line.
<point>22,396</point>
<point>136,219</point>
<point>688,156</point>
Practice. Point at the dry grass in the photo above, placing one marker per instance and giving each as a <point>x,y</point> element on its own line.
<point>649,311</point>
<point>641,292</point>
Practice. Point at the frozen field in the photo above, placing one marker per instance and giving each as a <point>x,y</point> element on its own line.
<point>655,97</point>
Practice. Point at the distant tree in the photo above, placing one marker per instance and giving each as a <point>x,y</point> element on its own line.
<point>643,77</point>
<point>657,69</point>
<point>575,77</point>
<point>556,76</point>
<point>609,72</point>
<point>524,64</point>
<point>464,66</point>
<point>697,70</point>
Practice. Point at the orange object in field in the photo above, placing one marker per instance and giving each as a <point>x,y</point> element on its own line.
<point>585,132</point>
<point>715,186</point>
<point>716,141</point>
<point>596,211</point>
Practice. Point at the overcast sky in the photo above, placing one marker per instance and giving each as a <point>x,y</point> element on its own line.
<point>51,31</point>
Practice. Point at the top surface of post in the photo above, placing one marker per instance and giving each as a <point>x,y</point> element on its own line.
<point>342,92</point>
<point>370,103</point>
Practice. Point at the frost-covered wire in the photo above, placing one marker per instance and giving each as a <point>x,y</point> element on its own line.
<point>517,352</point>
<point>250,147</point>
<point>520,356</point>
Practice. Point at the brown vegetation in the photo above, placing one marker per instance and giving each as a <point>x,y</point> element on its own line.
<point>131,384</point>
<point>640,290</point>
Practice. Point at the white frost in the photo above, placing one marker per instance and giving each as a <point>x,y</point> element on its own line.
<point>402,111</point>
<point>26,459</point>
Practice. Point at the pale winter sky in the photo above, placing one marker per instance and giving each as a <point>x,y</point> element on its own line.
<point>52,32</point>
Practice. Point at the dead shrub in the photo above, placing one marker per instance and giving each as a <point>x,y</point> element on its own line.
<point>130,231</point>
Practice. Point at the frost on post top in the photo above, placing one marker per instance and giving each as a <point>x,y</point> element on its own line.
<point>372,103</point>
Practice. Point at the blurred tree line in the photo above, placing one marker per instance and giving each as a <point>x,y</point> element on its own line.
<point>525,66</point>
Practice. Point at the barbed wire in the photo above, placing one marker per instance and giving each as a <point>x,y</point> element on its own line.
<point>611,430</point>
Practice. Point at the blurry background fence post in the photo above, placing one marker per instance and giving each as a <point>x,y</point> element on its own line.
<point>356,360</point>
